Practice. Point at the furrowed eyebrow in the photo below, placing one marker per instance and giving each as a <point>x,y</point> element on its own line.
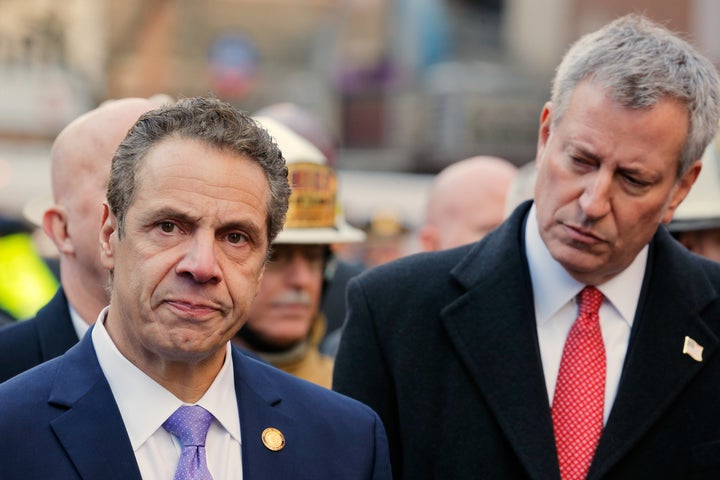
<point>253,231</point>
<point>169,213</point>
<point>584,153</point>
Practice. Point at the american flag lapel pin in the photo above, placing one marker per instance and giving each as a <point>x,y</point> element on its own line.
<point>693,349</point>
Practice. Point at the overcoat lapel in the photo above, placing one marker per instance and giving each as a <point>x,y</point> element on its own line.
<point>492,327</point>
<point>656,370</point>
<point>259,405</point>
<point>91,430</point>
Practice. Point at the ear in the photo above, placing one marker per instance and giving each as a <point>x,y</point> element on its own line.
<point>108,237</point>
<point>546,117</point>
<point>681,189</point>
<point>54,224</point>
<point>428,238</point>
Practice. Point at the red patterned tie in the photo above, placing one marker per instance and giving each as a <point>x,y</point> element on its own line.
<point>577,408</point>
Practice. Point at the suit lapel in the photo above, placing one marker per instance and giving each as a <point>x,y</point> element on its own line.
<point>91,430</point>
<point>656,371</point>
<point>492,327</point>
<point>257,403</point>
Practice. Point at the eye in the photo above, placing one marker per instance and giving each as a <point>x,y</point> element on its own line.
<point>167,227</point>
<point>634,181</point>
<point>581,161</point>
<point>236,238</point>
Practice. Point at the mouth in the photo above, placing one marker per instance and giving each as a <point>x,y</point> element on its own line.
<point>188,309</point>
<point>582,235</point>
<point>290,306</point>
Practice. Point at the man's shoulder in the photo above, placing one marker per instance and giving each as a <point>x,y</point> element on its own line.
<point>422,263</point>
<point>679,260</point>
<point>53,315</point>
<point>23,391</point>
<point>22,329</point>
<point>30,342</point>
<point>425,267</point>
<point>19,348</point>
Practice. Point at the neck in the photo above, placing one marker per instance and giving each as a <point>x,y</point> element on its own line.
<point>87,295</point>
<point>186,376</point>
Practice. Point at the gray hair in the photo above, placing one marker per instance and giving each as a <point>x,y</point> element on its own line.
<point>213,122</point>
<point>641,62</point>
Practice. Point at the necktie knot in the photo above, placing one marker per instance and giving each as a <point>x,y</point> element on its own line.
<point>590,300</point>
<point>189,423</point>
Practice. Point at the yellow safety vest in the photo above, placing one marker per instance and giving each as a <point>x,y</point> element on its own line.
<point>26,282</point>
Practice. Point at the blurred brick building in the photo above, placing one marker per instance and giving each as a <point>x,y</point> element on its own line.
<point>407,85</point>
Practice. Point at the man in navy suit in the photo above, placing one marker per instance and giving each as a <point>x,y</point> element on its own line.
<point>460,351</point>
<point>80,166</point>
<point>197,193</point>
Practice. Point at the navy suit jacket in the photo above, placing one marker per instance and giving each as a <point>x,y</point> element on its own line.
<point>30,342</point>
<point>60,420</point>
<point>444,347</point>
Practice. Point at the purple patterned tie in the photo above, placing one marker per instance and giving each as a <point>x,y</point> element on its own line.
<point>190,424</point>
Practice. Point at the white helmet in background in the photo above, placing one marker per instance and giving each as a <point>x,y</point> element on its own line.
<point>314,214</point>
<point>701,208</point>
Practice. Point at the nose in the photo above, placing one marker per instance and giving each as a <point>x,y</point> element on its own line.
<point>199,261</point>
<point>595,198</point>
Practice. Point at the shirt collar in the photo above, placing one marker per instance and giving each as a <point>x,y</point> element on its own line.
<point>79,324</point>
<point>553,286</point>
<point>145,405</point>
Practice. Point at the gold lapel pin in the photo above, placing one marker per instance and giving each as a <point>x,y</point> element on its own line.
<point>693,349</point>
<point>273,439</point>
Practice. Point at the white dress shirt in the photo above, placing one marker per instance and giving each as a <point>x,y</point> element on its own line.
<point>555,292</point>
<point>81,326</point>
<point>145,405</point>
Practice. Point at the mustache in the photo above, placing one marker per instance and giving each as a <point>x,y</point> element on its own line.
<point>293,297</point>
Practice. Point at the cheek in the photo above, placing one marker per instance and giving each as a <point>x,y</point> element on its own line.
<point>316,290</point>
<point>636,222</point>
<point>246,287</point>
<point>265,292</point>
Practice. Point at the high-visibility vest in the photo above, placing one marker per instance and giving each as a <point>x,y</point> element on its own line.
<point>26,281</point>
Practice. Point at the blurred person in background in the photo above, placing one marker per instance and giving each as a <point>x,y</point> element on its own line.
<point>466,200</point>
<point>338,271</point>
<point>387,237</point>
<point>27,280</point>
<point>79,166</point>
<point>696,223</point>
<point>522,187</point>
<point>285,324</point>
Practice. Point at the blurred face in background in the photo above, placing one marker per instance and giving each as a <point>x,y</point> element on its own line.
<point>703,242</point>
<point>289,299</point>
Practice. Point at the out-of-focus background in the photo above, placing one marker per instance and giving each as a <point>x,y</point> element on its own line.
<point>407,86</point>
